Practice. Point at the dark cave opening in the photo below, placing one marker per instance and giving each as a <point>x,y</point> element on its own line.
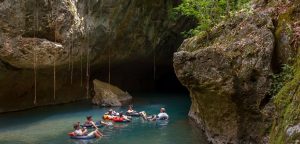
<point>138,76</point>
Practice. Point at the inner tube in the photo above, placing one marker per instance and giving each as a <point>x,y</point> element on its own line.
<point>133,114</point>
<point>91,126</point>
<point>118,119</point>
<point>108,117</point>
<point>83,137</point>
<point>163,118</point>
<point>73,136</point>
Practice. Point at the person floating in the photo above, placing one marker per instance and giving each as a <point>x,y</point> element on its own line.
<point>84,132</point>
<point>121,118</point>
<point>161,116</point>
<point>89,122</point>
<point>112,112</point>
<point>124,117</point>
<point>131,112</point>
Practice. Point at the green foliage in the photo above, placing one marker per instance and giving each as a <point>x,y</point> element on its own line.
<point>280,79</point>
<point>207,12</point>
<point>288,109</point>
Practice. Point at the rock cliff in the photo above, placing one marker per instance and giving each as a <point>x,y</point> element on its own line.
<point>228,72</point>
<point>49,50</point>
<point>228,77</point>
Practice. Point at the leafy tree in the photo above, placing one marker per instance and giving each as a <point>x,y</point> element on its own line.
<point>207,12</point>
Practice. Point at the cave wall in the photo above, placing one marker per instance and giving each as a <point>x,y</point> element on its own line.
<point>71,42</point>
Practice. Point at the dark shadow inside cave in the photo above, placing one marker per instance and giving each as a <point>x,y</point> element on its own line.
<point>138,76</point>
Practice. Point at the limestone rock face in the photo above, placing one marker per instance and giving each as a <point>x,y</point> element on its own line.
<point>109,95</point>
<point>44,28</point>
<point>228,75</point>
<point>287,34</point>
<point>68,40</point>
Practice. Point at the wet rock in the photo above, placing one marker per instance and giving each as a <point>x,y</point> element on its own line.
<point>109,95</point>
<point>228,75</point>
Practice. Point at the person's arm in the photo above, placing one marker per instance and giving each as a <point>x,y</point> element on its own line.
<point>126,118</point>
<point>103,123</point>
<point>85,131</point>
<point>94,125</point>
<point>144,116</point>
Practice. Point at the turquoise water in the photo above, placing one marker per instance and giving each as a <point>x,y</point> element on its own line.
<point>50,125</point>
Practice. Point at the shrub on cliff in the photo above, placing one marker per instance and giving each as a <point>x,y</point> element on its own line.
<point>207,13</point>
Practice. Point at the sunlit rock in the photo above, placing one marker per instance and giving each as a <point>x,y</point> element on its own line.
<point>109,95</point>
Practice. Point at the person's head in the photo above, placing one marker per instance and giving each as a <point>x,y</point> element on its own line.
<point>120,114</point>
<point>76,126</point>
<point>162,110</point>
<point>89,118</point>
<point>110,111</point>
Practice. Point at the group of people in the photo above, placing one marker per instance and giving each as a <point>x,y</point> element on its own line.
<point>78,131</point>
<point>161,116</point>
<point>111,114</point>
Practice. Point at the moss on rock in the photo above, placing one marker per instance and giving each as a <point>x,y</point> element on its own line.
<point>287,102</point>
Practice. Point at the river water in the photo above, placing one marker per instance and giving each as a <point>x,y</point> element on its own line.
<point>50,125</point>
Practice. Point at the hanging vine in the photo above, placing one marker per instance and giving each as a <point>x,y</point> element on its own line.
<point>109,65</point>
<point>156,41</point>
<point>87,55</point>
<point>81,66</point>
<point>154,63</point>
<point>54,59</point>
<point>81,60</point>
<point>71,53</point>
<point>34,52</point>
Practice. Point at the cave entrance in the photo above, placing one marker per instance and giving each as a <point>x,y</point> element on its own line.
<point>137,76</point>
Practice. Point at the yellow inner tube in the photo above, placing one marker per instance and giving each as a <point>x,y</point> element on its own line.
<point>105,116</point>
